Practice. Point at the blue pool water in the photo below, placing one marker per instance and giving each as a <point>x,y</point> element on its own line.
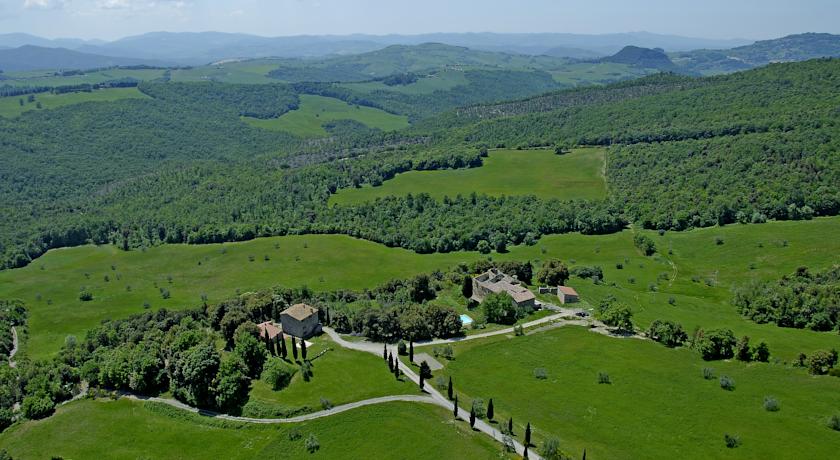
<point>466,319</point>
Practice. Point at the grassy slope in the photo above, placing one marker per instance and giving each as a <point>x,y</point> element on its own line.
<point>658,405</point>
<point>577,175</point>
<point>341,376</point>
<point>40,78</point>
<point>332,261</point>
<point>10,106</point>
<point>587,73</point>
<point>316,110</point>
<point>130,430</point>
<point>251,72</point>
<point>441,81</point>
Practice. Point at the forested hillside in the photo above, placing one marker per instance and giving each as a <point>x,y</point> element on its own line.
<point>684,153</point>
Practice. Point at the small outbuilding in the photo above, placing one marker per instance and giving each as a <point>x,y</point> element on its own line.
<point>300,320</point>
<point>567,294</point>
<point>273,330</point>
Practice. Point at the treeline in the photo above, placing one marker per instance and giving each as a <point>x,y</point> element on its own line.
<point>803,299</point>
<point>258,101</point>
<point>9,90</point>
<point>12,314</point>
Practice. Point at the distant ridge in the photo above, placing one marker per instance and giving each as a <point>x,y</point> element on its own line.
<point>642,57</point>
<point>29,57</point>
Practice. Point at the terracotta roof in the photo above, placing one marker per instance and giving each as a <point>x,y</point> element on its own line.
<point>273,329</point>
<point>300,311</point>
<point>496,281</point>
<point>566,290</point>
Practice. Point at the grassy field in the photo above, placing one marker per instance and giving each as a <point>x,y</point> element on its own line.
<point>10,106</point>
<point>658,404</point>
<point>440,81</point>
<point>50,285</point>
<point>341,376</point>
<point>131,430</point>
<point>314,111</point>
<point>600,73</point>
<point>250,72</point>
<point>40,78</point>
<point>505,172</point>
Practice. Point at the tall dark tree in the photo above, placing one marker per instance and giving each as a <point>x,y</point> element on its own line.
<point>584,454</point>
<point>283,351</point>
<point>472,417</point>
<point>385,352</point>
<point>294,348</point>
<point>525,452</point>
<point>276,345</point>
<point>397,371</point>
<point>390,362</point>
<point>268,342</point>
<point>425,370</point>
<point>411,351</point>
<point>490,410</point>
<point>449,389</point>
<point>528,435</point>
<point>422,382</point>
<point>303,349</point>
<point>467,287</point>
<point>455,407</point>
<point>510,426</point>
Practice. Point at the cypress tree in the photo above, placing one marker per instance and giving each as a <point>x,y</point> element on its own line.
<point>268,342</point>
<point>385,352</point>
<point>283,351</point>
<point>390,362</point>
<point>455,407</point>
<point>411,351</point>
<point>584,453</point>
<point>294,347</point>
<point>421,383</point>
<point>276,347</point>
<point>525,452</point>
<point>466,287</point>
<point>490,410</point>
<point>528,435</point>
<point>472,417</point>
<point>449,390</point>
<point>510,426</point>
<point>397,372</point>
<point>303,349</point>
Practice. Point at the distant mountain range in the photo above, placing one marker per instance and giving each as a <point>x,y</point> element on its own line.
<point>194,48</point>
<point>29,57</point>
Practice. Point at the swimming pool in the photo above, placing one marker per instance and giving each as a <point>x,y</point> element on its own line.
<point>466,319</point>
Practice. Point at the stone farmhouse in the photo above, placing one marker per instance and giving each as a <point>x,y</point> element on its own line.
<point>567,294</point>
<point>300,320</point>
<point>493,282</point>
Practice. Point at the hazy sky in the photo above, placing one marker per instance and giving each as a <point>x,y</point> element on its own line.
<point>109,19</point>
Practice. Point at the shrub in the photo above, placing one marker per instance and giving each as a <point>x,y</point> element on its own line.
<point>715,344</point>
<point>295,434</point>
<point>727,383</point>
<point>540,373</point>
<point>718,240</point>
<point>615,314</point>
<point>708,373</point>
<point>277,373</point>
<point>551,450</point>
<point>401,348</point>
<point>645,244</point>
<point>834,422</point>
<point>440,382</point>
<point>619,266</point>
<point>306,371</point>
<point>761,352</point>
<point>37,406</point>
<point>771,404</point>
<point>821,361</point>
<point>85,295</point>
<point>478,407</point>
<point>312,444</point>
<point>326,404</point>
<point>604,378</point>
<point>732,441</point>
<point>668,333</point>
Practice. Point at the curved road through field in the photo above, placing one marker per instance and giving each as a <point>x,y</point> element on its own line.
<point>480,425</point>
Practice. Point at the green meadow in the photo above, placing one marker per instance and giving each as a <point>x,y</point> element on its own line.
<point>10,106</point>
<point>699,275</point>
<point>440,81</point>
<point>340,376</point>
<point>250,72</point>
<point>130,430</point>
<point>575,175</point>
<point>599,73</point>
<point>658,392</point>
<point>314,111</point>
<point>41,78</point>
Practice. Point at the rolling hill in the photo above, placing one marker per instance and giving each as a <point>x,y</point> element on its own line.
<point>642,57</point>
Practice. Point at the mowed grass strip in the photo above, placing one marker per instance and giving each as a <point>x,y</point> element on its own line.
<point>129,430</point>
<point>575,175</point>
<point>10,105</point>
<point>314,111</point>
<point>658,404</point>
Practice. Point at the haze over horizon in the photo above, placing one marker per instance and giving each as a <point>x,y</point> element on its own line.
<point>715,19</point>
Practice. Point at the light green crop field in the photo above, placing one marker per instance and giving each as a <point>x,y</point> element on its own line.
<point>130,430</point>
<point>41,78</point>
<point>50,285</point>
<point>314,111</point>
<point>340,375</point>
<point>10,106</point>
<point>589,73</point>
<point>249,72</point>
<point>575,175</point>
<point>658,404</point>
<point>440,81</point>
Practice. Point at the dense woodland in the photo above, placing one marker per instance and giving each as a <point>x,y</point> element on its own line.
<point>181,166</point>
